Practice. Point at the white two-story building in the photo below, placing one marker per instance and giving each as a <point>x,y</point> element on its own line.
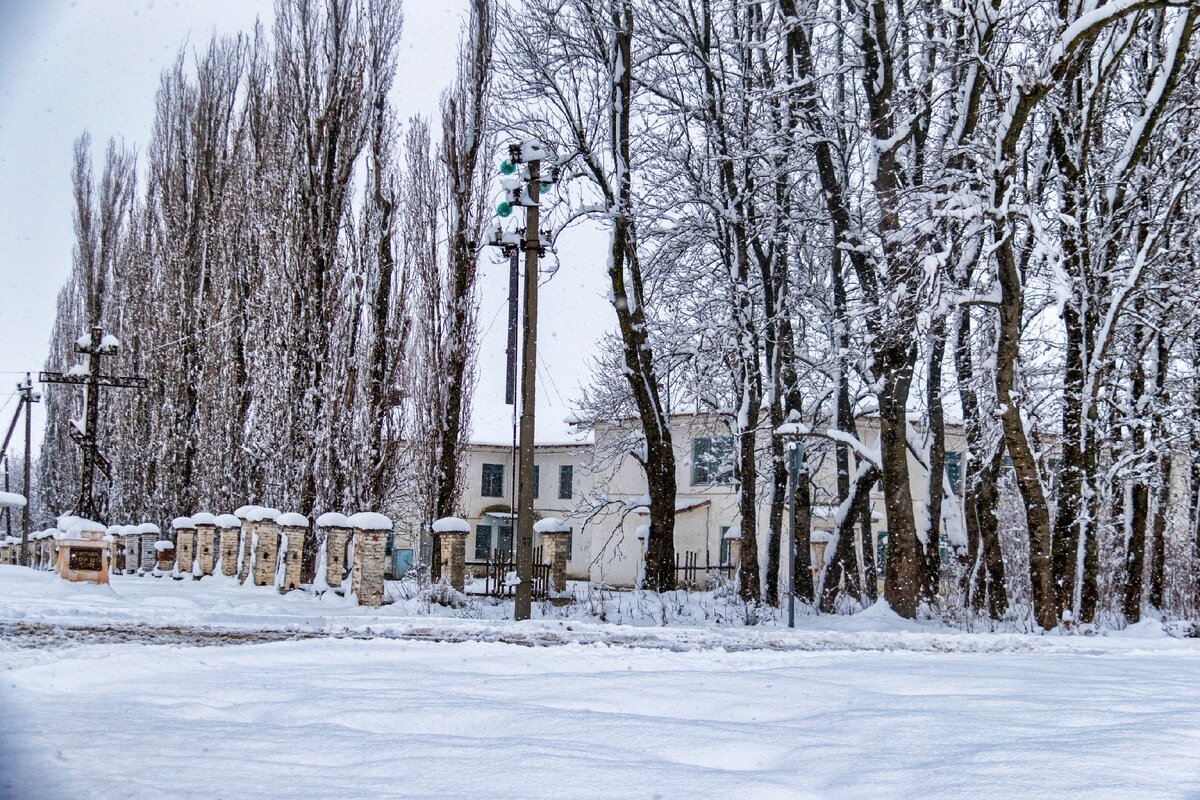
<point>596,484</point>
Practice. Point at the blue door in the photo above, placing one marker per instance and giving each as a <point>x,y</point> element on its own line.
<point>402,560</point>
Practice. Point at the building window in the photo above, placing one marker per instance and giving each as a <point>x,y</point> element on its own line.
<point>1054,466</point>
<point>483,542</point>
<point>537,480</point>
<point>881,554</point>
<point>954,469</point>
<point>712,459</point>
<point>504,542</point>
<point>570,536</point>
<point>724,557</point>
<point>566,482</point>
<point>493,480</point>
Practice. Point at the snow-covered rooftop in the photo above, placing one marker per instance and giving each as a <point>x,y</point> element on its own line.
<point>12,500</point>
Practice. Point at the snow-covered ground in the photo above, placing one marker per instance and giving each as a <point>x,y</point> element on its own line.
<point>867,706</point>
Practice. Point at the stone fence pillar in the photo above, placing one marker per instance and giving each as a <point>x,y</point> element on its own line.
<point>229,529</point>
<point>247,540</point>
<point>185,546</point>
<point>116,551</point>
<point>266,544</point>
<point>206,543</point>
<point>133,554</point>
<point>370,541</point>
<point>149,533</point>
<point>451,536</point>
<point>295,528</point>
<point>554,533</point>
<point>164,551</point>
<point>337,534</point>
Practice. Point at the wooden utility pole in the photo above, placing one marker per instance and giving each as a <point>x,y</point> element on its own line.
<point>93,347</point>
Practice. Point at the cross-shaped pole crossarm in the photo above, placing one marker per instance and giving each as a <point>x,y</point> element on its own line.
<point>103,465</point>
<point>110,381</point>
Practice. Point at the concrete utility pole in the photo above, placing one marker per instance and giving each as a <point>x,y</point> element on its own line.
<point>795,459</point>
<point>524,599</point>
<point>7,515</point>
<point>93,347</point>
<point>525,192</point>
<point>27,397</point>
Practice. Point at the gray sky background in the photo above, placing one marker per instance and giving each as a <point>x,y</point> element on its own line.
<point>67,67</point>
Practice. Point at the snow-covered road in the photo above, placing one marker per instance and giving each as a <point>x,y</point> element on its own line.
<point>374,719</point>
<point>913,713</point>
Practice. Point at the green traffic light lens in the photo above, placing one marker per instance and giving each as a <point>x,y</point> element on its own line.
<point>504,209</point>
<point>507,167</point>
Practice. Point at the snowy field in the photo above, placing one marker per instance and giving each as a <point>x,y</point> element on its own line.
<point>868,706</point>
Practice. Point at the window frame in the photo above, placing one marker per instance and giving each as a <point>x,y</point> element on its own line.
<point>724,548</point>
<point>566,472</point>
<point>711,474</point>
<point>953,467</point>
<point>495,469</point>
<point>486,532</point>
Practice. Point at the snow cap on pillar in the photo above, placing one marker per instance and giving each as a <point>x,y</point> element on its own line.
<point>551,525</point>
<point>244,512</point>
<point>293,520</point>
<point>203,518</point>
<point>451,525</point>
<point>261,514</point>
<point>370,521</point>
<point>332,519</point>
<point>182,523</point>
<point>228,521</point>
<point>148,527</point>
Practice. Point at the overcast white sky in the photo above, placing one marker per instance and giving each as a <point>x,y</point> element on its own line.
<point>94,65</point>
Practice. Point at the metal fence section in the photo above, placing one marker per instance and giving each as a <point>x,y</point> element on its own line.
<point>495,571</point>
<point>691,574</point>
